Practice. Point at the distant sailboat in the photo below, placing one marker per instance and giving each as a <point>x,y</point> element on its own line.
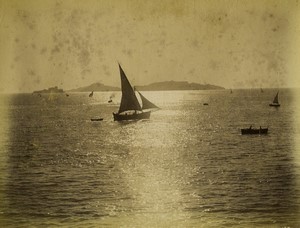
<point>110,98</point>
<point>275,102</point>
<point>230,90</point>
<point>91,94</point>
<point>261,90</point>
<point>130,108</point>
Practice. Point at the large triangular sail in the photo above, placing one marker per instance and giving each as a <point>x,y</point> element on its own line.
<point>275,101</point>
<point>146,104</point>
<point>129,101</point>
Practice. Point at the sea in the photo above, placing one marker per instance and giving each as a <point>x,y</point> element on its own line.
<point>187,166</point>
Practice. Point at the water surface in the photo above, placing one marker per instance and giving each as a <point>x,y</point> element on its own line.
<point>187,166</point>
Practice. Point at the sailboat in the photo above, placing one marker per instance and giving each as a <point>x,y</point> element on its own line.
<point>130,108</point>
<point>110,98</point>
<point>275,102</point>
<point>91,94</point>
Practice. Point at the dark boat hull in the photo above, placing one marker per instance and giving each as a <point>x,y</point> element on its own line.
<point>253,131</point>
<point>96,119</point>
<point>274,105</point>
<point>133,116</point>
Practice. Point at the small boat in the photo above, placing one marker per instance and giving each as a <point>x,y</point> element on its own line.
<point>111,97</point>
<point>261,90</point>
<point>67,95</point>
<point>96,119</point>
<point>254,131</point>
<point>91,94</point>
<point>275,102</point>
<point>205,103</point>
<point>130,108</point>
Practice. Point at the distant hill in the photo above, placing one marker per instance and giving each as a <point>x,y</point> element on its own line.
<point>175,85</point>
<point>157,86</point>
<point>95,87</point>
<point>50,90</point>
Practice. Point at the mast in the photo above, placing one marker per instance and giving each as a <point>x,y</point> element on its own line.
<point>128,101</point>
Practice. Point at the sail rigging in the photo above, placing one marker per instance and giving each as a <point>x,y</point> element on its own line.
<point>146,104</point>
<point>129,100</point>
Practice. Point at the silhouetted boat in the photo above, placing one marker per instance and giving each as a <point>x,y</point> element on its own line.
<point>275,102</point>
<point>91,94</point>
<point>205,103</point>
<point>130,108</point>
<point>111,97</point>
<point>96,119</point>
<point>254,131</point>
<point>261,90</point>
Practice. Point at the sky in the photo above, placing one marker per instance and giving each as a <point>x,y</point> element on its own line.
<point>73,43</point>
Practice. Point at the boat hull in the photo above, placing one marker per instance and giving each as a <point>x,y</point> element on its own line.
<point>274,105</point>
<point>253,131</point>
<point>96,119</point>
<point>133,116</point>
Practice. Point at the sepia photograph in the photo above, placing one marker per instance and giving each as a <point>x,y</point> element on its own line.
<point>162,113</point>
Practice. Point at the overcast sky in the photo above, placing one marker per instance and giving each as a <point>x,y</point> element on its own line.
<point>235,44</point>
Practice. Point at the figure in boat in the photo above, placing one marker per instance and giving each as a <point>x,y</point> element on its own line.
<point>275,102</point>
<point>91,94</point>
<point>254,131</point>
<point>130,108</point>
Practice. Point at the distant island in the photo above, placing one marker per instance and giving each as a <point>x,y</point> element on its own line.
<point>54,89</point>
<point>96,87</point>
<point>157,86</point>
<point>177,85</point>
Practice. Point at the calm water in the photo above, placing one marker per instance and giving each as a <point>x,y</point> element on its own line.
<point>188,166</point>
